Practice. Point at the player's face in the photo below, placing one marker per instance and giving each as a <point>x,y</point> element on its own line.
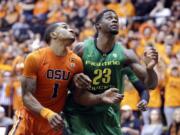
<point>109,22</point>
<point>64,32</point>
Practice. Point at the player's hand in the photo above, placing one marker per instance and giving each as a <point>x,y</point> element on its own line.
<point>142,105</point>
<point>82,81</point>
<point>56,122</point>
<point>125,129</point>
<point>150,56</point>
<point>111,96</point>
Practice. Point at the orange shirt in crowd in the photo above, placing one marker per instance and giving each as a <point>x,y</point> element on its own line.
<point>155,98</point>
<point>123,10</point>
<point>5,67</point>
<point>162,52</point>
<point>53,75</point>
<point>176,48</point>
<point>88,32</point>
<point>14,90</point>
<point>41,7</point>
<point>172,95</point>
<point>2,13</point>
<point>53,2</point>
<point>55,17</point>
<point>131,98</point>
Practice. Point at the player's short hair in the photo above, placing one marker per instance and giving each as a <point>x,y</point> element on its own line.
<point>100,16</point>
<point>50,28</point>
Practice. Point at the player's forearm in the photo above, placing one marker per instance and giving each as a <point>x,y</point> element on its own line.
<point>147,76</point>
<point>151,80</point>
<point>32,103</point>
<point>143,92</point>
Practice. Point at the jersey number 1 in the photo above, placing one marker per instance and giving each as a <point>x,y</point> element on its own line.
<point>55,90</point>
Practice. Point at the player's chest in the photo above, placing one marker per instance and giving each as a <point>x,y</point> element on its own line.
<point>103,61</point>
<point>56,70</point>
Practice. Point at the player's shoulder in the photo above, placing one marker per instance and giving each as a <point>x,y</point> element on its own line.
<point>74,57</point>
<point>37,53</point>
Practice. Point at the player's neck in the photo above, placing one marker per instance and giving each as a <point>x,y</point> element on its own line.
<point>105,42</point>
<point>59,49</point>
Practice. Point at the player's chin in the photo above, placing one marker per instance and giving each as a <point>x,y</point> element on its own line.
<point>114,31</point>
<point>71,40</point>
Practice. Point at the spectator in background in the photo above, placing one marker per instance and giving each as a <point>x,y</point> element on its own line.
<point>160,13</point>
<point>155,127</point>
<point>40,9</point>
<point>5,121</point>
<point>2,11</point>
<point>27,7</point>
<point>131,98</point>
<point>55,15</point>
<point>176,9</point>
<point>155,101</point>
<point>143,7</point>
<point>21,29</point>
<point>123,9</point>
<point>160,46</point>
<point>11,14</point>
<point>130,125</point>
<point>172,87</point>
<point>175,126</point>
<point>88,31</point>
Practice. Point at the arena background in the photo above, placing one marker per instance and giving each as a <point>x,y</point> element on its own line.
<point>142,22</point>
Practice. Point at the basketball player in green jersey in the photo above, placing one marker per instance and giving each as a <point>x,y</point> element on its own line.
<point>93,107</point>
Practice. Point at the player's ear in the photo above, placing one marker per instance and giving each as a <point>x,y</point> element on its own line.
<point>53,35</point>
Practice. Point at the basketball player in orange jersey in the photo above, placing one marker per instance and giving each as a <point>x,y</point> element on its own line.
<point>47,73</point>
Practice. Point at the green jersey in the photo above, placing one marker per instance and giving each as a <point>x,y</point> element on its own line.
<point>106,71</point>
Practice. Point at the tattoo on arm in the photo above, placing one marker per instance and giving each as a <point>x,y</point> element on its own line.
<point>28,88</point>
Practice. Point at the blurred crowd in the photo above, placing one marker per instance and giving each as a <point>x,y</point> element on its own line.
<point>142,23</point>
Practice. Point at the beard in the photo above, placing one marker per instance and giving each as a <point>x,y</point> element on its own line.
<point>114,32</point>
<point>69,41</point>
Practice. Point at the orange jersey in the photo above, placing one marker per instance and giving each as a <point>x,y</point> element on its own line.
<point>172,94</point>
<point>53,74</point>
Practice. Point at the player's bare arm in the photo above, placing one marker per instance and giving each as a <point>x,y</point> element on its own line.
<point>86,98</point>
<point>144,94</point>
<point>28,88</point>
<point>145,73</point>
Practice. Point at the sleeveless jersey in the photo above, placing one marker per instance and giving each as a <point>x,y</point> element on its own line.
<point>53,75</point>
<point>106,71</point>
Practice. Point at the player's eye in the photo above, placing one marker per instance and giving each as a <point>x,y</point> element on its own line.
<point>65,27</point>
<point>109,17</point>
